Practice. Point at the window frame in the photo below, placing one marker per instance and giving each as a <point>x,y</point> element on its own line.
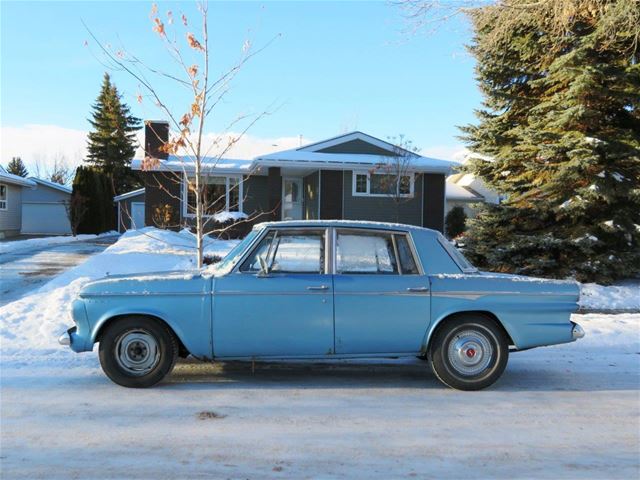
<point>393,234</point>
<point>368,193</point>
<point>6,197</point>
<point>185,194</point>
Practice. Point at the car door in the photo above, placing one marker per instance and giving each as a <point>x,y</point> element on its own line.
<point>382,299</point>
<point>285,312</point>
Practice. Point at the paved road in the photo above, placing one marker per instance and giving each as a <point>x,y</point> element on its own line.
<point>27,270</point>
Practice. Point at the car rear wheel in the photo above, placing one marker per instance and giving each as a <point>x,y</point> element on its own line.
<point>137,352</point>
<point>469,353</point>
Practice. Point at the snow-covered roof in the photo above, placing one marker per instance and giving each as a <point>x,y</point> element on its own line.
<point>47,183</point>
<point>178,163</point>
<point>311,156</point>
<point>457,192</point>
<point>308,156</point>
<point>6,177</point>
<point>132,193</point>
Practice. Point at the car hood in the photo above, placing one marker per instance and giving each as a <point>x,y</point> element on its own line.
<point>186,281</point>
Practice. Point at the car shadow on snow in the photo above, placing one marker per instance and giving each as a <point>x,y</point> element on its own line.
<point>519,376</point>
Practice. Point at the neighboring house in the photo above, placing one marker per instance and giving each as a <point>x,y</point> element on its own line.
<point>44,209</point>
<point>130,210</point>
<point>337,178</point>
<point>466,190</point>
<point>11,190</point>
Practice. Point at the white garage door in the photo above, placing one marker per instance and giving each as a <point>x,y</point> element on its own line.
<point>45,218</point>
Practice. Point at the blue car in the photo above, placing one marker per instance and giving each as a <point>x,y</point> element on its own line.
<point>321,290</point>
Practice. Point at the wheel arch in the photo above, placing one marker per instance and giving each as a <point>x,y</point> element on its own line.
<point>461,314</point>
<point>106,322</point>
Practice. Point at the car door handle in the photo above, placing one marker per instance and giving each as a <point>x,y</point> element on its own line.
<point>319,287</point>
<point>418,289</point>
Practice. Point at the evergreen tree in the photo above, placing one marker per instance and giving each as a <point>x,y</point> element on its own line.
<point>92,190</point>
<point>16,167</point>
<point>455,221</point>
<point>112,143</point>
<point>561,123</point>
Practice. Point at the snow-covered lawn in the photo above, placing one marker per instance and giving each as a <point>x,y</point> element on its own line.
<point>14,246</point>
<point>625,296</point>
<point>569,411</point>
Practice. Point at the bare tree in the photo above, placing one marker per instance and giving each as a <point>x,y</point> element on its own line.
<point>76,208</point>
<point>191,56</point>
<point>395,176</point>
<point>57,172</point>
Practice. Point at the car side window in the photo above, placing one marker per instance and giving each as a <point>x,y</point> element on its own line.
<point>288,252</point>
<point>365,253</point>
<point>407,261</point>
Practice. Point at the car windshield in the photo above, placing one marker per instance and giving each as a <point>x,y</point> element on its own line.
<point>227,263</point>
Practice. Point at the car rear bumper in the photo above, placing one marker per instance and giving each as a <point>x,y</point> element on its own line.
<point>577,331</point>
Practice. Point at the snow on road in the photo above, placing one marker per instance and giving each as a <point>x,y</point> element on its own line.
<point>569,411</point>
<point>13,246</point>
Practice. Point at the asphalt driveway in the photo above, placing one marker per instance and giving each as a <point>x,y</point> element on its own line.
<point>23,271</point>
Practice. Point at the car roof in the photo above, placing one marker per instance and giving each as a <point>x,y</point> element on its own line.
<point>343,224</point>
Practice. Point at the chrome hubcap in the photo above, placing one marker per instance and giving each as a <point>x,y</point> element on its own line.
<point>137,352</point>
<point>470,352</point>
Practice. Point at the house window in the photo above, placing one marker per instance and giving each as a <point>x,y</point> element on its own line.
<point>219,194</point>
<point>379,184</point>
<point>361,183</point>
<point>3,197</point>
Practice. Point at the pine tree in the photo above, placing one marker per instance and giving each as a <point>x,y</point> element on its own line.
<point>16,167</point>
<point>112,143</point>
<point>561,123</point>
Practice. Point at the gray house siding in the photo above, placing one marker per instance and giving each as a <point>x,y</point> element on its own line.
<point>382,209</point>
<point>125,210</point>
<point>331,184</point>
<point>311,196</point>
<point>433,202</point>
<point>44,194</point>
<point>11,218</point>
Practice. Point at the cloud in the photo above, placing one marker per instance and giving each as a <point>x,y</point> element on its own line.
<point>43,144</point>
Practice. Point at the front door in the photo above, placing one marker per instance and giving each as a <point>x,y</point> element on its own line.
<point>291,198</point>
<point>382,301</point>
<point>285,312</point>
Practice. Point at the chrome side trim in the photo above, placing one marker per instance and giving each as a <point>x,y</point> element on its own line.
<point>141,294</point>
<point>474,295</point>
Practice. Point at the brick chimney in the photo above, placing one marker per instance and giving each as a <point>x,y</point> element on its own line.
<point>156,134</point>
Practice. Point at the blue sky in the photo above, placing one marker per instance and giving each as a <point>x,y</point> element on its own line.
<point>336,66</point>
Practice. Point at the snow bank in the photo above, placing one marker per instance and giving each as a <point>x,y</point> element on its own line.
<point>614,297</point>
<point>34,243</point>
<point>29,327</point>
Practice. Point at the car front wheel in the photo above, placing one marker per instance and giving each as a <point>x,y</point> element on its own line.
<point>137,352</point>
<point>469,353</point>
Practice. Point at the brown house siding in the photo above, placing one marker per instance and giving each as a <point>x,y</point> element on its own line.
<point>162,188</point>
<point>433,201</point>
<point>330,194</point>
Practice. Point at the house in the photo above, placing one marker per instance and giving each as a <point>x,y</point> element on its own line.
<point>11,188</point>
<point>467,190</point>
<point>32,206</point>
<point>344,177</point>
<point>44,208</point>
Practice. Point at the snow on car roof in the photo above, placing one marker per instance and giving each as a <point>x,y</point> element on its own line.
<point>343,224</point>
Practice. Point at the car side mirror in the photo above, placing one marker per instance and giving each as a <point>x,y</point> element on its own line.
<point>264,268</point>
